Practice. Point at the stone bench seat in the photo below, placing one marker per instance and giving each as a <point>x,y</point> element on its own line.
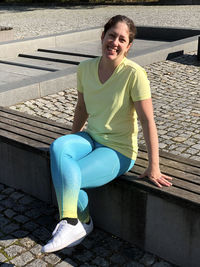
<point>163,221</point>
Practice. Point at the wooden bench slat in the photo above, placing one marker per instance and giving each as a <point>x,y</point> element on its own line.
<point>172,172</point>
<point>170,156</point>
<point>171,192</point>
<point>176,165</point>
<point>12,137</point>
<point>36,121</point>
<point>185,185</point>
<point>28,127</point>
<point>31,122</point>
<point>25,133</point>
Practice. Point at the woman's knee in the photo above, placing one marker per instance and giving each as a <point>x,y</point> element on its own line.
<point>58,145</point>
<point>74,145</point>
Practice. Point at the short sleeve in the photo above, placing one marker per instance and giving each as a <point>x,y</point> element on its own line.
<point>140,87</point>
<point>79,83</point>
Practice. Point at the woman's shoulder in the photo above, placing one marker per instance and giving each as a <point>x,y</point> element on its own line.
<point>91,62</point>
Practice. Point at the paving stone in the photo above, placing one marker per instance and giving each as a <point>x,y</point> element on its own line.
<point>100,262</point>
<point>10,228</point>
<point>16,195</point>
<point>42,234</point>
<point>8,203</point>
<point>2,208</point>
<point>66,263</point>
<point>84,256</point>
<point>37,263</point>
<point>26,200</point>
<point>52,259</point>
<point>2,197</point>
<point>67,251</point>
<point>133,254</point>
<point>7,241</point>
<point>8,191</point>
<point>9,213</point>
<point>3,222</point>
<point>33,213</point>
<point>196,146</point>
<point>27,242</point>
<point>162,264</point>
<point>133,264</point>
<point>20,208</point>
<point>36,250</point>
<point>23,259</point>
<point>7,265</point>
<point>30,226</point>
<point>2,258</point>
<point>148,259</point>
<point>2,186</point>
<point>20,233</point>
<point>118,259</point>
<point>21,219</point>
<point>13,250</point>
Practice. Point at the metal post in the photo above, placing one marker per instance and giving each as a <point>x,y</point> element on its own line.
<point>198,50</point>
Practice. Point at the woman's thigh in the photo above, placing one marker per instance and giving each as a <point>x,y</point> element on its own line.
<point>75,146</point>
<point>102,165</point>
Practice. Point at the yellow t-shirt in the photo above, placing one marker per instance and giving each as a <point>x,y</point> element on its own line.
<point>112,117</point>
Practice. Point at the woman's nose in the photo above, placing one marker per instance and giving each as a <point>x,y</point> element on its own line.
<point>115,41</point>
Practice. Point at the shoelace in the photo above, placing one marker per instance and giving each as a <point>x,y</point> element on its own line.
<point>61,226</point>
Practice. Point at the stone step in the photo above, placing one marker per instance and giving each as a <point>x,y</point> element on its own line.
<point>36,63</point>
<point>70,59</point>
<point>26,72</point>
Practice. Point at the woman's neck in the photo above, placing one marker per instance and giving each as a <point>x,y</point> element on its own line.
<point>106,69</point>
<point>106,64</point>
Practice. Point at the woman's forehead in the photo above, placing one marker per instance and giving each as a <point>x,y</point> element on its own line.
<point>121,28</point>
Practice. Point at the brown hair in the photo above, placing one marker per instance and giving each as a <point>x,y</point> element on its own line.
<point>120,18</point>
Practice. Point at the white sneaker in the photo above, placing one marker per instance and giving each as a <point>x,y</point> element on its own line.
<point>67,235</point>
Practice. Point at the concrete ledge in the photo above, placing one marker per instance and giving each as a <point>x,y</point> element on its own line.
<point>37,87</point>
<point>164,51</point>
<point>13,48</point>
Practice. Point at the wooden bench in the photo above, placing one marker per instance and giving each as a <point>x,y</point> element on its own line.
<point>162,221</point>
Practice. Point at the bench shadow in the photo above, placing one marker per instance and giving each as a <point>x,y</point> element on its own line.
<point>28,222</point>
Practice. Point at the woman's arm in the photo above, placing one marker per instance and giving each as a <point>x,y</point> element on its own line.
<point>80,114</point>
<point>144,111</point>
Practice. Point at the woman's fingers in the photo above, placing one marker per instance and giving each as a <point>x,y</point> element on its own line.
<point>166,177</point>
<point>161,181</point>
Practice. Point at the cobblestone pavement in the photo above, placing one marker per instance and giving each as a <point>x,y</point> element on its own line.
<point>25,222</point>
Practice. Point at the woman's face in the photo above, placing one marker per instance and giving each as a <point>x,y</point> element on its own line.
<point>115,43</point>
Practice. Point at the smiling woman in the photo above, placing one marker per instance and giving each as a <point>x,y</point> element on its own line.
<point>112,92</point>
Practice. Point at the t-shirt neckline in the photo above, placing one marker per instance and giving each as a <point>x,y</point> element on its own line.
<point>110,78</point>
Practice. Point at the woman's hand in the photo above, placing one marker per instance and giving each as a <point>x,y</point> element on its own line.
<point>156,177</point>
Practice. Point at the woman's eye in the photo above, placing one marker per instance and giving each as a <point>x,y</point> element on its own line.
<point>111,35</point>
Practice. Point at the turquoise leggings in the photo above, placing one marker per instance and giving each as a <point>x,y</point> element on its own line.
<point>78,162</point>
